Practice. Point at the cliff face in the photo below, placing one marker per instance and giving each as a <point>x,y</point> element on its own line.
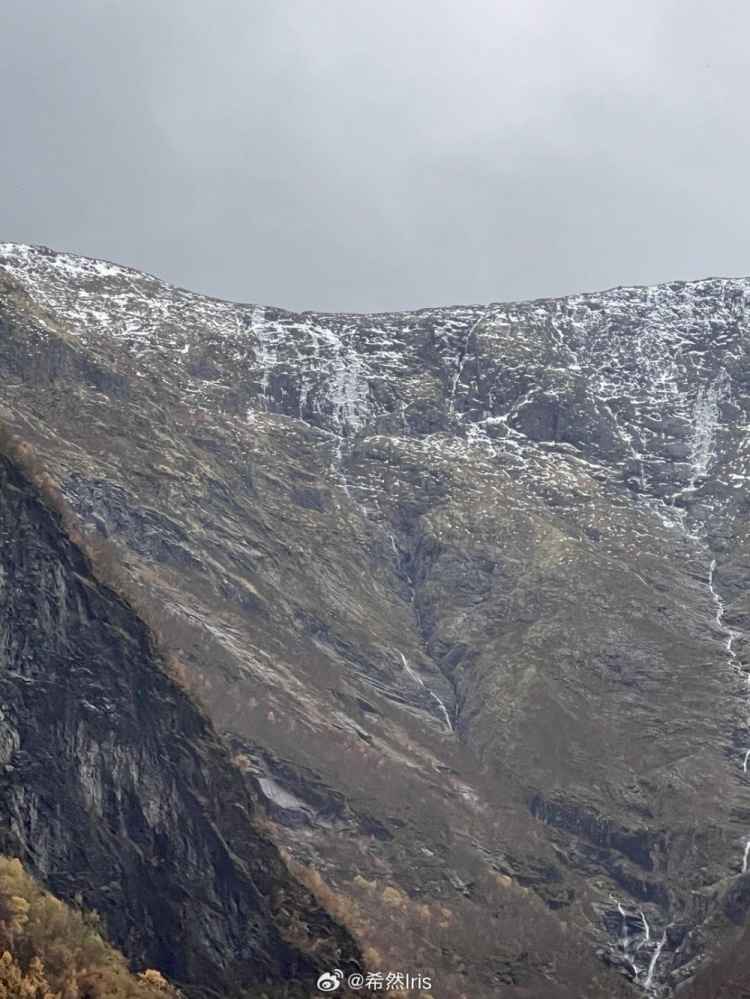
<point>464,590</point>
<point>114,786</point>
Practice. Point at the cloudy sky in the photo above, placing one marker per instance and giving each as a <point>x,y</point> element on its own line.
<point>381,154</point>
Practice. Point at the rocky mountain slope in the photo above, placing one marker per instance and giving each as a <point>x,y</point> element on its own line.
<point>464,591</point>
<point>114,788</point>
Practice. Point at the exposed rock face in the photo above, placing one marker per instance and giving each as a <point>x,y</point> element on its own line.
<point>114,786</point>
<point>465,589</point>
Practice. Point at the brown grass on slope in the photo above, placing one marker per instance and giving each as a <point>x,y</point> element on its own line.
<point>49,951</point>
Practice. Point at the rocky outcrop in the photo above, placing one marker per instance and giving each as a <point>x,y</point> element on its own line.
<point>115,790</point>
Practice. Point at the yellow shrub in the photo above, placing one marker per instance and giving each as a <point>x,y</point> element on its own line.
<point>49,951</point>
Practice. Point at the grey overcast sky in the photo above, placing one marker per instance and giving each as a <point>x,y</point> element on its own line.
<point>372,155</point>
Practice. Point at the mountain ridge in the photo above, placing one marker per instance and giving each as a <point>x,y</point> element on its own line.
<point>135,271</point>
<point>474,543</point>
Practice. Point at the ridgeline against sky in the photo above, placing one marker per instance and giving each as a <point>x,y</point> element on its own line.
<point>381,155</point>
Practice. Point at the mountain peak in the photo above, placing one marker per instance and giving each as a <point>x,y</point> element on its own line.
<point>464,589</point>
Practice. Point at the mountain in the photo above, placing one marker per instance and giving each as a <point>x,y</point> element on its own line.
<point>461,592</point>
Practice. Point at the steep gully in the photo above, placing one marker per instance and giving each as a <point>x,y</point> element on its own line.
<point>406,561</point>
<point>348,403</point>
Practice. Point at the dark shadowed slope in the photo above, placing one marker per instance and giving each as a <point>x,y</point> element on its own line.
<point>115,789</point>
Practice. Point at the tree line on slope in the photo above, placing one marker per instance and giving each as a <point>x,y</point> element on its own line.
<point>50,951</point>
